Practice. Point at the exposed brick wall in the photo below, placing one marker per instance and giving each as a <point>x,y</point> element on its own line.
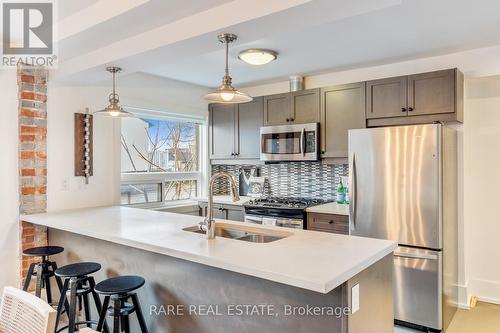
<point>32,87</point>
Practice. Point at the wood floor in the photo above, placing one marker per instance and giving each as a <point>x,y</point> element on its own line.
<point>484,318</point>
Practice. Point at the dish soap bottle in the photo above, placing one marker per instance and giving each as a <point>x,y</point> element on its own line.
<point>341,193</point>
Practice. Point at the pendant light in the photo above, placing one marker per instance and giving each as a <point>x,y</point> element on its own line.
<point>114,109</point>
<point>226,93</point>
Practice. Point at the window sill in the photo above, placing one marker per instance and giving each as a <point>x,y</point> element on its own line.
<point>166,205</point>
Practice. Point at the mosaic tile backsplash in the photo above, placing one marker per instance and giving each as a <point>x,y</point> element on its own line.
<point>293,179</point>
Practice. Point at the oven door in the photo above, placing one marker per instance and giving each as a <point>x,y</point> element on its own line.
<point>253,219</point>
<point>289,142</point>
<point>284,222</point>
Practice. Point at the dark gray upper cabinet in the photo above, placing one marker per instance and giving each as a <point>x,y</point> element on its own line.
<point>298,107</point>
<point>277,109</point>
<point>431,93</point>
<point>249,120</point>
<point>342,109</point>
<point>221,131</point>
<point>234,130</point>
<point>304,106</point>
<point>386,97</point>
<point>415,99</point>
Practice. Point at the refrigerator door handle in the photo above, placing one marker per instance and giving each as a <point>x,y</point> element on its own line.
<point>352,190</point>
<point>410,255</point>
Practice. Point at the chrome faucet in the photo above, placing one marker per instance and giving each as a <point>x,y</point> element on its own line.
<point>209,221</point>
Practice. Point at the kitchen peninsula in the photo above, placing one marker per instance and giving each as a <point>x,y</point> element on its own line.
<point>183,269</point>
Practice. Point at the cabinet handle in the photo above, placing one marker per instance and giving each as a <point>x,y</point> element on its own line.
<point>330,222</point>
<point>287,120</point>
<point>323,152</point>
<point>403,109</point>
<point>410,109</point>
<point>292,119</point>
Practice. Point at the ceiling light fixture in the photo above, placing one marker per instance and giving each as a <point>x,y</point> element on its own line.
<point>257,57</point>
<point>114,109</point>
<point>226,93</point>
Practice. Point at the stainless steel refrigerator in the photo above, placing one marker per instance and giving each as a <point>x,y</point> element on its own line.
<point>403,187</point>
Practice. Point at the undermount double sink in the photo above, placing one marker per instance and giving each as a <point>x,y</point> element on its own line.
<point>247,234</point>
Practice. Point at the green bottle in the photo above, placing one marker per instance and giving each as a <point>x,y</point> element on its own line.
<point>341,193</point>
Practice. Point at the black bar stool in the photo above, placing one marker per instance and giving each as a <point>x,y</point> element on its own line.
<point>120,291</point>
<point>43,269</point>
<point>79,284</point>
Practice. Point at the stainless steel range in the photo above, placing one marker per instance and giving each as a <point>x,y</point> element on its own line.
<point>281,212</point>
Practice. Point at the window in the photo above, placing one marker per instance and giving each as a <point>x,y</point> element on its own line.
<point>160,160</point>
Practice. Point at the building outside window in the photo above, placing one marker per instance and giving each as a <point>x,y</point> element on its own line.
<point>160,159</point>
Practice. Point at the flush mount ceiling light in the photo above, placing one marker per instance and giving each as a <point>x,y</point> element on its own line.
<point>114,109</point>
<point>226,93</point>
<point>257,57</point>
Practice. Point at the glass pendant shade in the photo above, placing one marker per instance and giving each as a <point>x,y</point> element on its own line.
<point>226,93</point>
<point>113,110</point>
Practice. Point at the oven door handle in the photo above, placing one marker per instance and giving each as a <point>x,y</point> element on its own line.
<point>254,219</point>
<point>302,141</point>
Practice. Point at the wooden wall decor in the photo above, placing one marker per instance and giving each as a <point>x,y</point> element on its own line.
<point>83,145</point>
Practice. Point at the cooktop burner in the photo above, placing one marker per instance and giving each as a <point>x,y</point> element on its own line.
<point>276,202</point>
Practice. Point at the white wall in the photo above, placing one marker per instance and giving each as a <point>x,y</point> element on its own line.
<point>482,187</point>
<point>65,191</point>
<point>9,194</point>
<point>479,158</point>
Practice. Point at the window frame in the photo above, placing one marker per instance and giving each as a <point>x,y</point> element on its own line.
<point>137,178</point>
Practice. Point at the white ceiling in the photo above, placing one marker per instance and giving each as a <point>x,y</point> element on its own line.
<point>177,39</point>
<point>69,7</point>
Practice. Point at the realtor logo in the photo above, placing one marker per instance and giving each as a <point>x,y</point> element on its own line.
<point>28,33</point>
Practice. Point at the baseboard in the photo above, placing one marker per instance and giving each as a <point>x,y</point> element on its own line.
<point>463,297</point>
<point>486,291</point>
<point>464,306</point>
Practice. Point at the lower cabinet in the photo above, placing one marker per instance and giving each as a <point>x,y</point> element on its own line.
<point>224,211</point>
<point>338,224</point>
<point>186,210</point>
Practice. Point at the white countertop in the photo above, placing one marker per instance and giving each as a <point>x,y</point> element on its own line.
<point>317,261</point>
<point>330,208</point>
<point>226,199</point>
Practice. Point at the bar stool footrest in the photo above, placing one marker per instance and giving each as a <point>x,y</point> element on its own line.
<point>125,310</point>
<point>78,323</point>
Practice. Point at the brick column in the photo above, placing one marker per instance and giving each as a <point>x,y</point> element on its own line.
<point>32,87</point>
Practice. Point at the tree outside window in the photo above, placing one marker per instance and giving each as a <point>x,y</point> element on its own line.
<point>168,148</point>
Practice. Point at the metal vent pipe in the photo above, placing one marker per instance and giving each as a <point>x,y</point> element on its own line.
<point>296,83</point>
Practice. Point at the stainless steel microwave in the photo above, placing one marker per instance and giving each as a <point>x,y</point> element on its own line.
<point>289,142</point>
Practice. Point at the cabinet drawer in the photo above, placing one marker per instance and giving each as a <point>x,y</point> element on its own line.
<point>338,224</point>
